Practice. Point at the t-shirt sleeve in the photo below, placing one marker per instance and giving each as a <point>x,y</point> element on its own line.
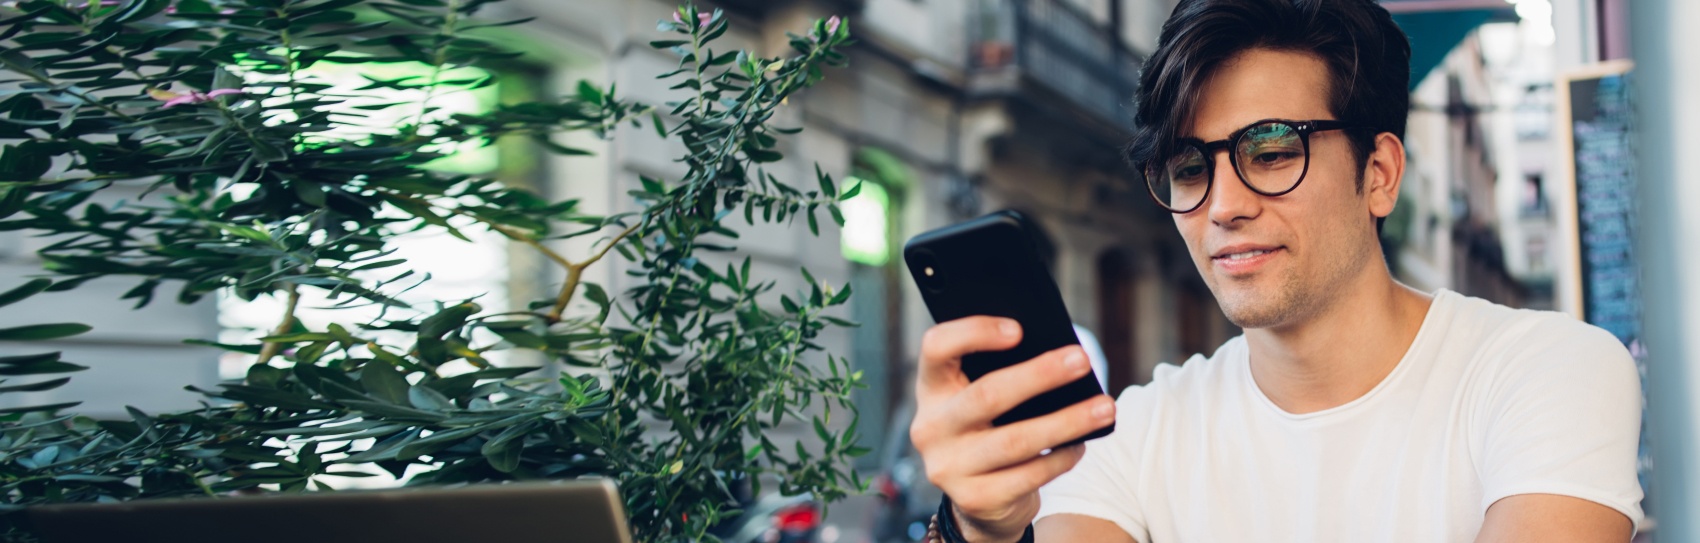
<point>1563,416</point>
<point>1102,485</point>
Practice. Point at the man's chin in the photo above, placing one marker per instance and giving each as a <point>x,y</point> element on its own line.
<point>1249,309</point>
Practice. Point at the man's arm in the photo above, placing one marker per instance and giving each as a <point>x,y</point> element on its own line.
<point>1558,435</point>
<point>993,473</point>
<point>1552,518</point>
<point>1069,527</point>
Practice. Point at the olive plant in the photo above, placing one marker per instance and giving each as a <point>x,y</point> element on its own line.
<point>252,187</point>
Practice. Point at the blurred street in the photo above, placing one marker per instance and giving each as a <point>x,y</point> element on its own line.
<point>1546,142</point>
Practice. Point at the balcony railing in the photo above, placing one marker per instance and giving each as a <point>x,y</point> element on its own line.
<point>1055,45</point>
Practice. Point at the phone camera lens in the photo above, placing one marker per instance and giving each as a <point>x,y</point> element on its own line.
<point>924,265</point>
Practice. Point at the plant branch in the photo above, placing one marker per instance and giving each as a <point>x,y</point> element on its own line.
<point>7,62</point>
<point>575,270</point>
<point>506,231</point>
<point>575,273</point>
<point>271,348</point>
<point>439,44</point>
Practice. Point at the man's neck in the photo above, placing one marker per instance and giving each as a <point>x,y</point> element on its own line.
<point>1344,351</point>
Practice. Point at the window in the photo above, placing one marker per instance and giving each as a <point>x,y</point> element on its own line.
<point>867,225</point>
<point>1116,319</point>
<point>458,269</point>
<point>869,239</point>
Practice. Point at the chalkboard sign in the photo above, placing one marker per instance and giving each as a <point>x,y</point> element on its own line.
<point>1597,121</point>
<point>1605,203</point>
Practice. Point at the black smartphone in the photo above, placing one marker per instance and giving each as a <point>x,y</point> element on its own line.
<point>991,266</point>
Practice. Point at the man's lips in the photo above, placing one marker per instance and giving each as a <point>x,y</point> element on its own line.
<point>1243,260</point>
<point>1243,251</point>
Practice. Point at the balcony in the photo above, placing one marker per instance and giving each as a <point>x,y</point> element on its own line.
<point>1073,60</point>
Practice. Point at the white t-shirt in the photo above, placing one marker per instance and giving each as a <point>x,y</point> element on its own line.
<point>1489,402</point>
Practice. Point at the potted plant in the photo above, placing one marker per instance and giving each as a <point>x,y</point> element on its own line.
<point>255,187</point>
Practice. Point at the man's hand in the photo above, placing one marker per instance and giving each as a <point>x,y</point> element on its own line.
<point>993,474</point>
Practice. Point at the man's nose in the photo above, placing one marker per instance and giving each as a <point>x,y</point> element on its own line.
<point>1230,199</point>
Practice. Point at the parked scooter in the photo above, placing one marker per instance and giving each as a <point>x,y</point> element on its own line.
<point>771,518</point>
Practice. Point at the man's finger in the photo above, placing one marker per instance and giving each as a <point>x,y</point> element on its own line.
<point>1018,480</point>
<point>944,345</point>
<point>1020,442</point>
<point>1000,391</point>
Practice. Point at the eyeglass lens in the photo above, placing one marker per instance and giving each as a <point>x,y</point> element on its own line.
<point>1270,157</point>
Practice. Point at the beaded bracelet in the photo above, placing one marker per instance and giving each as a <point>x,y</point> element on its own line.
<point>942,528</point>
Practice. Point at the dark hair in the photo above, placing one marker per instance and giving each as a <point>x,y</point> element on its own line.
<point>1368,58</point>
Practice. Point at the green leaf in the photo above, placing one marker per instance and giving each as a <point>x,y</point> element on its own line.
<point>299,337</point>
<point>265,151</point>
<point>589,92</point>
<point>522,338</point>
<point>140,9</point>
<point>36,387</point>
<point>503,451</point>
<point>852,191</point>
<point>597,295</point>
<point>449,319</point>
<point>821,431</point>
<point>384,449</point>
<point>264,376</point>
<point>424,212</point>
<point>384,382</point>
<point>826,186</point>
<point>557,148</point>
<point>40,408</point>
<point>389,410</point>
<point>31,288</point>
<point>652,185</point>
<point>38,332</point>
<point>427,398</point>
<point>438,441</point>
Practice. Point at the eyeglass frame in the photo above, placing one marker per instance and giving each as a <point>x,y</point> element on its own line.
<point>1209,149</point>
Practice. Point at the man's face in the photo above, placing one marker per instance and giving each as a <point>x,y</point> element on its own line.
<point>1277,261</point>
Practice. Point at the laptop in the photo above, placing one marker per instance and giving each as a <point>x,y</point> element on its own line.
<point>580,511</point>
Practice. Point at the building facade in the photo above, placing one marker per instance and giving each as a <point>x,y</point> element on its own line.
<point>948,109</point>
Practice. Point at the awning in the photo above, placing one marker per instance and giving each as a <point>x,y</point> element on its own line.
<point>1436,26</point>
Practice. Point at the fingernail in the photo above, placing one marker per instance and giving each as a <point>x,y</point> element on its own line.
<point>1104,410</point>
<point>1074,361</point>
<point>1009,328</point>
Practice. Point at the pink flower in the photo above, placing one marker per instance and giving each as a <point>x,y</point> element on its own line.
<point>100,4</point>
<point>832,25</point>
<point>702,19</point>
<point>172,99</point>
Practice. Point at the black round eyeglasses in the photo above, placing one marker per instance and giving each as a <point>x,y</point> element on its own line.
<point>1271,157</point>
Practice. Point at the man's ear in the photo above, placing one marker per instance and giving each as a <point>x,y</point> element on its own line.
<point>1382,174</point>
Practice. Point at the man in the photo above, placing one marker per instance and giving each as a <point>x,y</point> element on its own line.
<point>1353,408</point>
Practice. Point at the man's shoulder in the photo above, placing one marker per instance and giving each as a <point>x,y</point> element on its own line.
<point>1509,342</point>
<point>1199,377</point>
